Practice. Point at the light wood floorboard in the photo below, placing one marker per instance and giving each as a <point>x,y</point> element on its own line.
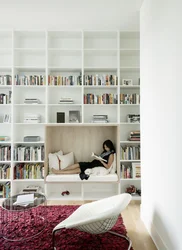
<point>131,215</point>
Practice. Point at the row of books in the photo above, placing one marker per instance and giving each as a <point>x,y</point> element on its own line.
<point>64,80</point>
<point>100,99</point>
<point>5,80</point>
<point>5,153</point>
<point>130,171</point>
<point>31,153</point>
<point>103,80</point>
<point>134,136</point>
<point>30,80</point>
<point>130,98</point>
<point>5,189</point>
<point>130,152</point>
<point>29,171</point>
<point>5,99</point>
<point>4,171</point>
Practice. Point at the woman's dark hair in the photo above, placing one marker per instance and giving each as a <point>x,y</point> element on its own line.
<point>110,145</point>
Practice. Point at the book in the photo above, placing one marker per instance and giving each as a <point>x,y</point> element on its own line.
<point>97,157</point>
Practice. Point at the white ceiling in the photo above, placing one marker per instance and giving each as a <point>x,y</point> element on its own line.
<point>70,14</point>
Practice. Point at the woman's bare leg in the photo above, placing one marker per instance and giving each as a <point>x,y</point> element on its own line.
<point>72,171</point>
<point>74,166</point>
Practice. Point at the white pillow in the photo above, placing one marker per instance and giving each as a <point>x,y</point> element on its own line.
<point>54,160</point>
<point>97,171</point>
<point>113,166</point>
<point>66,160</point>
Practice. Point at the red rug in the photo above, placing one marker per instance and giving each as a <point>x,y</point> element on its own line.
<point>69,239</point>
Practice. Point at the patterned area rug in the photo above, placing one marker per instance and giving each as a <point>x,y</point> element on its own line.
<point>69,239</point>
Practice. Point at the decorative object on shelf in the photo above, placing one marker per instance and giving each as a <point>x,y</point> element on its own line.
<point>133,118</point>
<point>7,118</point>
<point>32,101</point>
<point>136,166</point>
<point>4,138</point>
<point>32,138</point>
<point>100,119</point>
<point>65,192</point>
<point>32,118</point>
<point>60,117</point>
<point>66,100</point>
<point>74,116</point>
<point>127,82</point>
<point>131,189</point>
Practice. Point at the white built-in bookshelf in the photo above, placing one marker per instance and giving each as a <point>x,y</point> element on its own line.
<point>52,57</point>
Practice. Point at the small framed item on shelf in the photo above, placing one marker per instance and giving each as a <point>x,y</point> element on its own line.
<point>74,116</point>
<point>127,82</point>
<point>136,167</point>
<point>60,117</point>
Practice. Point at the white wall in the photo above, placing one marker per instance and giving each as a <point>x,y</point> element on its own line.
<point>70,14</point>
<point>161,122</point>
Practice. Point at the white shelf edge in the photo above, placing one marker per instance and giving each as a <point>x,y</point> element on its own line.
<point>28,180</point>
<point>24,142</point>
<point>130,179</point>
<point>4,180</point>
<point>28,161</point>
<point>138,142</point>
<point>129,123</point>
<point>129,160</point>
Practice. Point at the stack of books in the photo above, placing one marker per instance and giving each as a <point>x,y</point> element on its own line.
<point>32,118</point>
<point>134,136</point>
<point>66,100</point>
<point>31,101</point>
<point>100,119</point>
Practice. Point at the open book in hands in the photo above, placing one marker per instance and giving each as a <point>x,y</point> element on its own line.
<point>98,157</point>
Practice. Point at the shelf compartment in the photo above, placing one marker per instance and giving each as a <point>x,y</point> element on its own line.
<point>5,59</point>
<point>129,40</point>
<point>6,39</point>
<point>65,58</point>
<point>65,39</point>
<point>98,109</point>
<point>25,58</point>
<point>30,39</point>
<point>100,39</point>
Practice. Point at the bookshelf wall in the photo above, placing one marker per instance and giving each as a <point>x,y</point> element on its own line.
<point>63,57</point>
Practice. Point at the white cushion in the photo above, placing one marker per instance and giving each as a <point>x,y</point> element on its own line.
<point>76,178</point>
<point>54,160</point>
<point>97,171</point>
<point>113,166</point>
<point>66,160</point>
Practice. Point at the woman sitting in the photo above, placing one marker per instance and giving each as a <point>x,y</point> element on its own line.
<point>80,167</point>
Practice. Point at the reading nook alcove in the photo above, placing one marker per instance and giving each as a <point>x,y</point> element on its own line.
<point>82,140</point>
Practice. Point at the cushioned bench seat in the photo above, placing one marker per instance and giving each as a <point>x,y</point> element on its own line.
<point>76,178</point>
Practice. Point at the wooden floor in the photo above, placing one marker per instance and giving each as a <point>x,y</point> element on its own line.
<point>136,230</point>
